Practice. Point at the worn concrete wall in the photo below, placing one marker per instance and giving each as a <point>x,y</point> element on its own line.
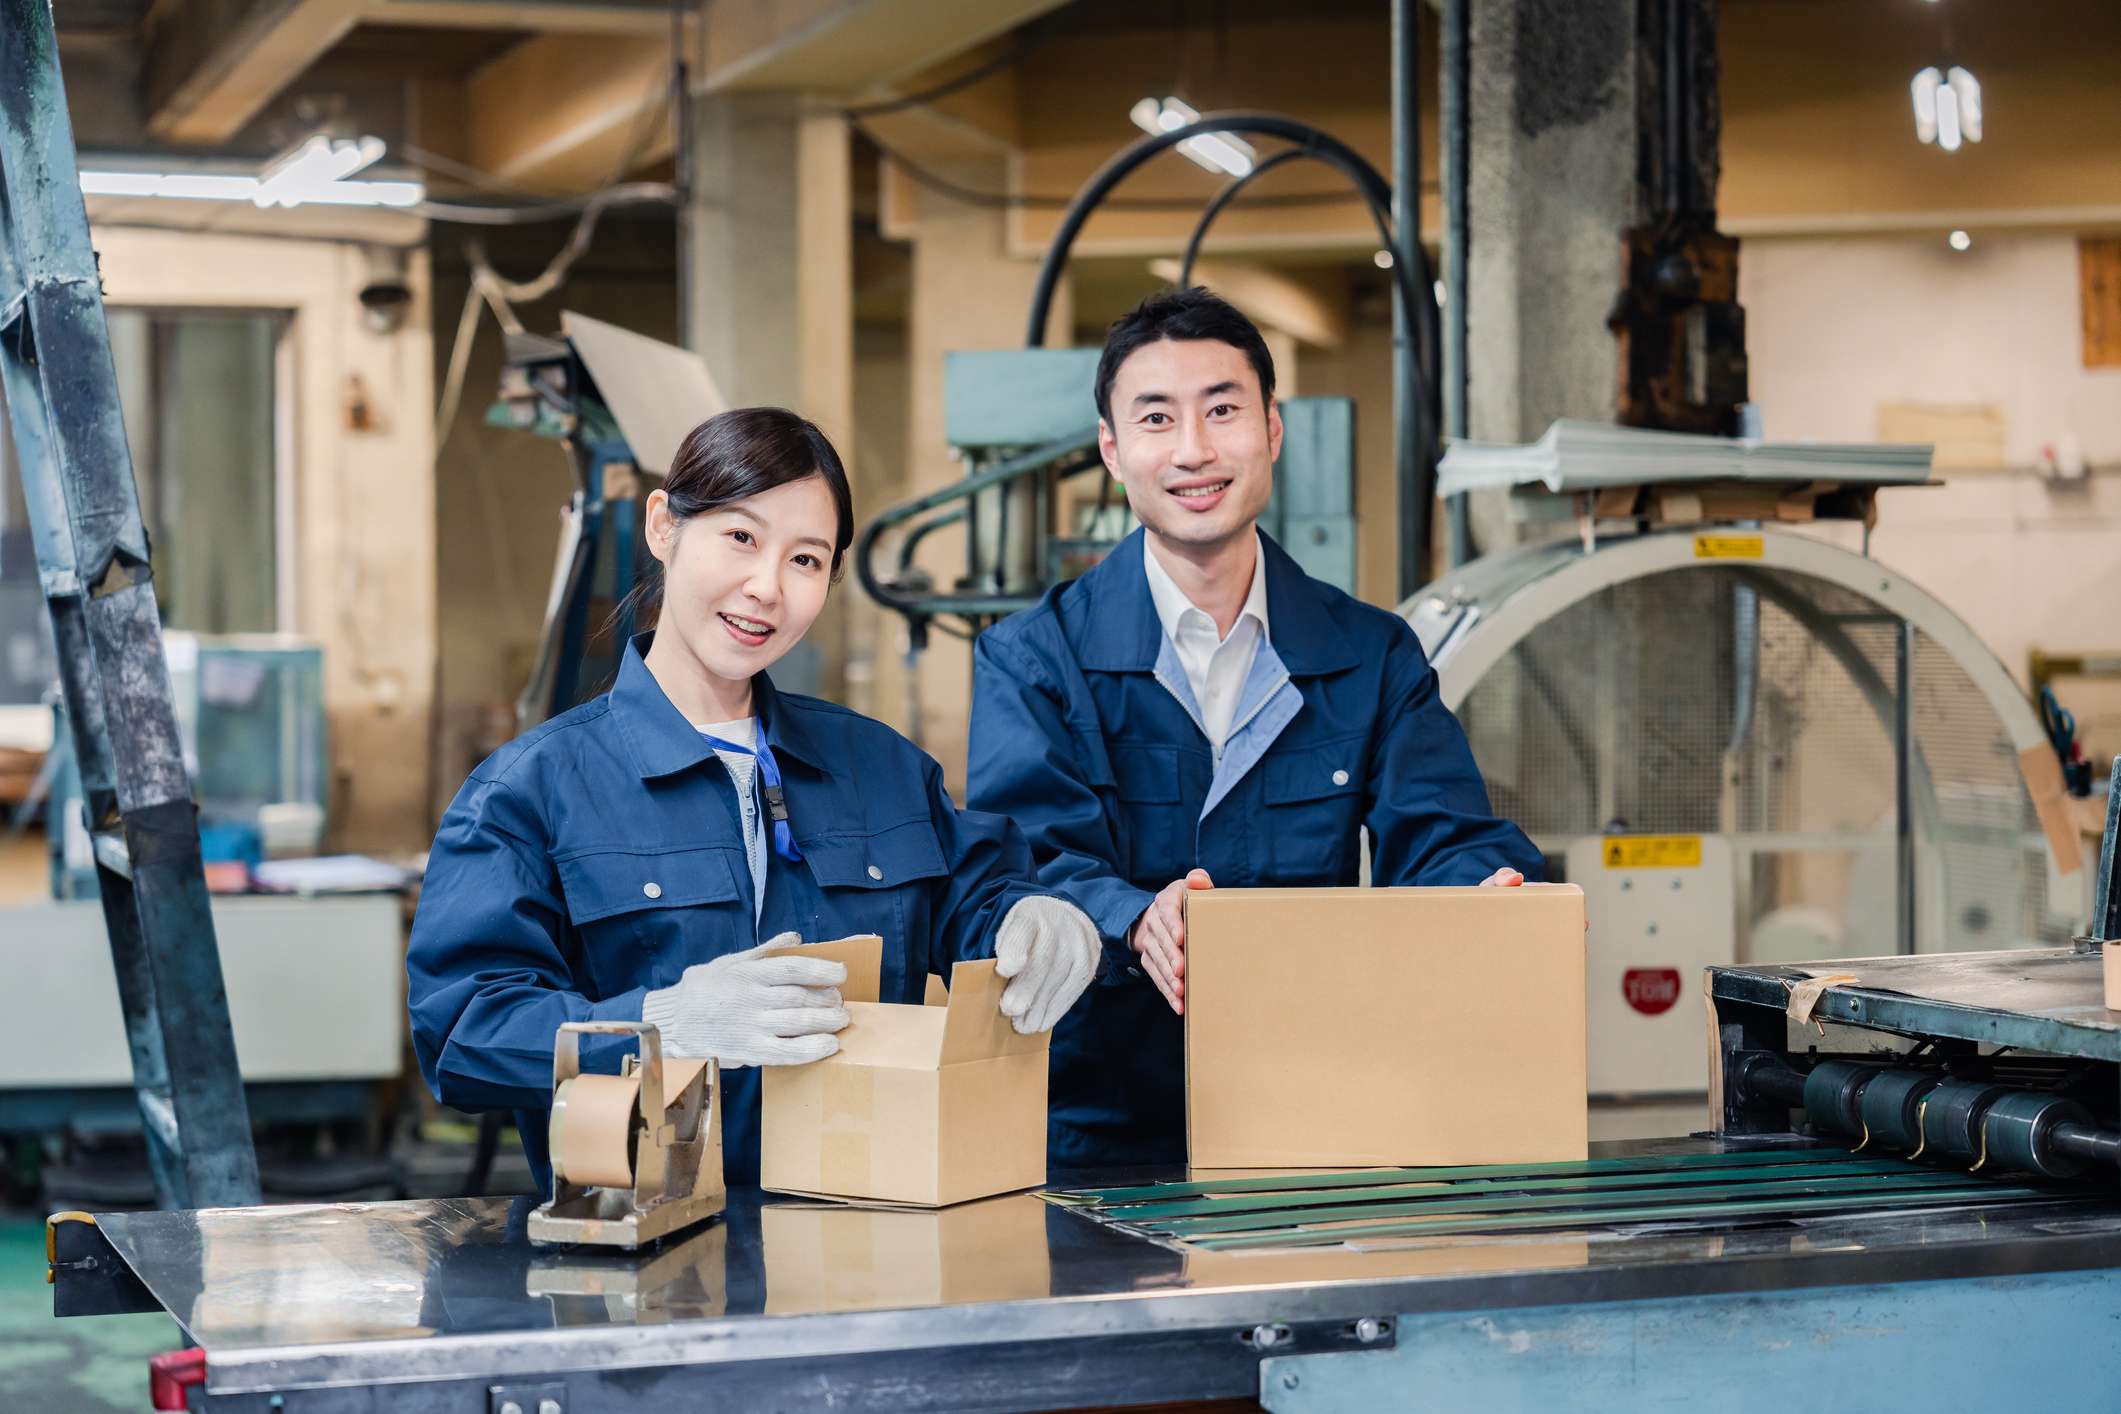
<point>1838,326</point>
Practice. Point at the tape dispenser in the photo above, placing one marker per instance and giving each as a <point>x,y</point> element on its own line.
<point>628,1165</point>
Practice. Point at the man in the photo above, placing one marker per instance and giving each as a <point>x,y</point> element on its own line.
<point>1197,711</point>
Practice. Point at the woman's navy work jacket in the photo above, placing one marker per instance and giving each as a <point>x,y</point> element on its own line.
<point>599,855</point>
<point>1084,730</point>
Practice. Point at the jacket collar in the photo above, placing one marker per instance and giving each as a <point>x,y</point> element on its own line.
<point>660,742</point>
<point>1120,633</point>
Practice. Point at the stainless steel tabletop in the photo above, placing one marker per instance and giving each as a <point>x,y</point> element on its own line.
<point>359,1293</point>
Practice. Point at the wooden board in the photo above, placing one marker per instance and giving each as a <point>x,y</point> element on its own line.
<point>2099,261</point>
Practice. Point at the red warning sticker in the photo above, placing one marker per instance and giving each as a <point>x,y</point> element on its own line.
<point>1650,990</point>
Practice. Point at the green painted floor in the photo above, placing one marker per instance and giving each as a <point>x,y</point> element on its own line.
<point>83,1365</point>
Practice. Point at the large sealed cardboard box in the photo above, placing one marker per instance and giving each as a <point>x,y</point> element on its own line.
<point>925,1105</point>
<point>1350,1027</point>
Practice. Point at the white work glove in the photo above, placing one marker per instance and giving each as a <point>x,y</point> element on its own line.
<point>750,1009</point>
<point>1048,950</point>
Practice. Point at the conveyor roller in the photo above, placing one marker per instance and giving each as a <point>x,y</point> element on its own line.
<point>1923,1114</point>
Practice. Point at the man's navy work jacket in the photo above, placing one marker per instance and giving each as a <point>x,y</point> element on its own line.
<point>1085,731</point>
<point>599,855</point>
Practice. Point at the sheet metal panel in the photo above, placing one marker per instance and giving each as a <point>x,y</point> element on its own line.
<point>1915,1346</point>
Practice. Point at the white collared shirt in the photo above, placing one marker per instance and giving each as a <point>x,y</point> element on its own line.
<point>1216,667</point>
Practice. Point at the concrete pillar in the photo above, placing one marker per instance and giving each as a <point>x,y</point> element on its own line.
<point>1570,132</point>
<point>1555,120</point>
<point>770,297</point>
<point>769,301</point>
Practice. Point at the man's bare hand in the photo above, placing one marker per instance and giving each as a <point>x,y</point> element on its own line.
<point>1508,878</point>
<point>1159,935</point>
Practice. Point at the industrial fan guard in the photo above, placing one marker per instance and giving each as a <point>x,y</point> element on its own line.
<point>1661,712</point>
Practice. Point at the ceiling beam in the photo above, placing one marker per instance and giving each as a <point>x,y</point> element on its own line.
<point>559,111</point>
<point>533,16</point>
<point>208,66</point>
<point>845,46</point>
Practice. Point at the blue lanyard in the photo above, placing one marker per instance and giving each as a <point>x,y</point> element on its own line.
<point>770,780</point>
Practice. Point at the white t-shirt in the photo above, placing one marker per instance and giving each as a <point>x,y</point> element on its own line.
<point>1216,667</point>
<point>743,772</point>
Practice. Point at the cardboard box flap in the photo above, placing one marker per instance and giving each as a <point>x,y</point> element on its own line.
<point>862,954</point>
<point>896,1037</point>
<point>976,1028</point>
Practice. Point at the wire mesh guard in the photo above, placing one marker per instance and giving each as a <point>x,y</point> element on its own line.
<point>1761,704</point>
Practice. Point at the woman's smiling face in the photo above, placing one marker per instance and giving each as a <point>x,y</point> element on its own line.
<point>743,582</point>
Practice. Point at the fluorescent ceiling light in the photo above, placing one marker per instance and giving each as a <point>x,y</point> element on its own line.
<point>1925,91</point>
<point>314,172</point>
<point>1967,89</point>
<point>1218,152</point>
<point>1947,107</point>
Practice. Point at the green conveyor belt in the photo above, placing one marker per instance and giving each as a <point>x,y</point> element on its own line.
<point>1445,1204</point>
<point>1720,1212</point>
<point>1267,1202</point>
<point>1297,1210</point>
<point>1649,1163</point>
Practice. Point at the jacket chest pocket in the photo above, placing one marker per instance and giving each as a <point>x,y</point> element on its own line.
<point>1314,798</point>
<point>1157,836</point>
<point>645,915</point>
<point>879,883</point>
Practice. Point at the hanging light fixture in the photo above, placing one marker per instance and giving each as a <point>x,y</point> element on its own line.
<point>1218,152</point>
<point>314,170</point>
<point>1947,107</point>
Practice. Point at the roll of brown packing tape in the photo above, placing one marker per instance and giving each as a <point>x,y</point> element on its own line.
<point>596,1115</point>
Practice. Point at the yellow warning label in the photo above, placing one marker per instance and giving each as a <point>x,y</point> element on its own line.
<point>1653,852</point>
<point>1728,547</point>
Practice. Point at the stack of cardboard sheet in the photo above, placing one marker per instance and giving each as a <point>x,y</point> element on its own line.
<point>1587,456</point>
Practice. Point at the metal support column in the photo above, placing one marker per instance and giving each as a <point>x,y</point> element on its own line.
<point>1904,783</point>
<point>1456,23</point>
<point>1416,490</point>
<point>92,561</point>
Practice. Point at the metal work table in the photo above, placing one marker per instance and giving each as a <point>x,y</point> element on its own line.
<point>1014,1305</point>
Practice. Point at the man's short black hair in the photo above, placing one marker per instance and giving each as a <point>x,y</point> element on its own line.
<point>1180,314</point>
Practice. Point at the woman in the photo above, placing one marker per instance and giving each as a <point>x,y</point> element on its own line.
<point>625,861</point>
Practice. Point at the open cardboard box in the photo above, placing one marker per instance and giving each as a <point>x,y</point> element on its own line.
<point>921,1105</point>
<point>1342,1028</point>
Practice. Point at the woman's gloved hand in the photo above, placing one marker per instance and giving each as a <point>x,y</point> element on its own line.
<point>1048,950</point>
<point>751,1009</point>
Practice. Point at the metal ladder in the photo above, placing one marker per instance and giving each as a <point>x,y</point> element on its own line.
<point>92,561</point>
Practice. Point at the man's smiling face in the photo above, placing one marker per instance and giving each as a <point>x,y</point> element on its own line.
<point>1192,440</point>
